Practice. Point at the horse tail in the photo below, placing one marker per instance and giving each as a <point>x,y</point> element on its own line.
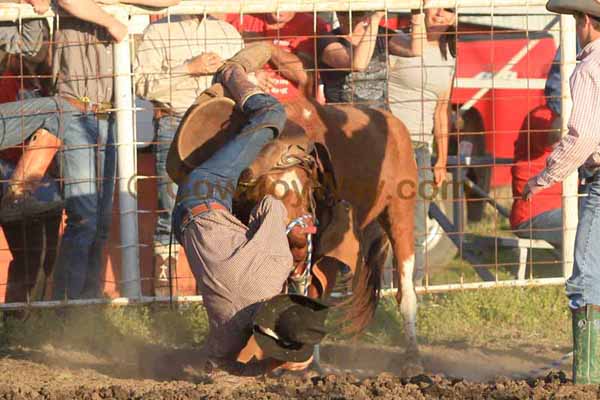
<point>366,286</point>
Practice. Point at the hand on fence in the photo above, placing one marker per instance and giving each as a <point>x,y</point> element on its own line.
<point>117,30</point>
<point>205,64</point>
<point>39,6</point>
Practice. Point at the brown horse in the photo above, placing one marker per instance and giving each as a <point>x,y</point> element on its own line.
<point>372,159</point>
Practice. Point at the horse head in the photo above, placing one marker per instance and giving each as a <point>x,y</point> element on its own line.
<point>284,169</point>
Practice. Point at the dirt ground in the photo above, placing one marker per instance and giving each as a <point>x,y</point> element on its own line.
<point>376,372</point>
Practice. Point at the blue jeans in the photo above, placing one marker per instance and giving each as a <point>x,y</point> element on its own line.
<point>545,226</point>
<point>165,129</point>
<point>216,179</point>
<point>583,287</point>
<point>424,196</point>
<point>88,190</point>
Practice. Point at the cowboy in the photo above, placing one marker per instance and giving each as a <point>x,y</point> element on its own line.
<point>237,267</point>
<point>167,75</point>
<point>581,148</point>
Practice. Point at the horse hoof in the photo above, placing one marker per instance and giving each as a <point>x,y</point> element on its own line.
<point>412,364</point>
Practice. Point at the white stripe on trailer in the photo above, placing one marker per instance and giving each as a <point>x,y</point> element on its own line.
<point>505,70</point>
<point>502,83</point>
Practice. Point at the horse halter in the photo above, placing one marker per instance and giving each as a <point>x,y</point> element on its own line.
<point>302,281</point>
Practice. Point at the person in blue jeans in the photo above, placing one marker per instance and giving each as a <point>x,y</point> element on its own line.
<point>580,149</point>
<point>237,267</point>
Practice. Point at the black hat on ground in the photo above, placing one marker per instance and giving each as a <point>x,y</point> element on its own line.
<point>288,326</point>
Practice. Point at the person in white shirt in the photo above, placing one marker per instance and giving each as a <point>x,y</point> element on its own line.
<point>420,81</point>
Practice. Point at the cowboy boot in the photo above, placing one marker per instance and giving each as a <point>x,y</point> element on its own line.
<point>234,73</point>
<point>163,272</point>
<point>586,349</point>
<point>239,84</point>
<point>251,58</point>
<point>28,175</point>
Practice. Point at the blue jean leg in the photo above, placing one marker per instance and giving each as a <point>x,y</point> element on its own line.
<point>216,179</point>
<point>545,226</point>
<point>107,162</point>
<point>583,287</point>
<point>88,204</point>
<point>424,193</point>
<point>165,129</point>
<point>20,119</point>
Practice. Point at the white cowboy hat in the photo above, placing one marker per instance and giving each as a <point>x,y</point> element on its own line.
<point>590,7</point>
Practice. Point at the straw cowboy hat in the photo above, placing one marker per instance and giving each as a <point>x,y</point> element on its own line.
<point>288,326</point>
<point>209,124</point>
<point>590,7</point>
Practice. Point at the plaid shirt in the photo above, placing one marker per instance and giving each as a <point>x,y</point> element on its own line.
<point>237,267</point>
<point>582,144</point>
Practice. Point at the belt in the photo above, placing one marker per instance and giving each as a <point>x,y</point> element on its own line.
<point>199,209</point>
<point>85,106</point>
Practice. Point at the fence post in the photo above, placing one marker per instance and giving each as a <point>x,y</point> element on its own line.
<point>130,284</point>
<point>569,196</point>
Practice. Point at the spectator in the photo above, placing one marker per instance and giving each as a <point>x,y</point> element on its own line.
<point>540,218</point>
<point>353,60</point>
<point>581,148</point>
<point>33,236</point>
<point>420,83</point>
<point>293,38</point>
<point>78,118</point>
<point>175,62</point>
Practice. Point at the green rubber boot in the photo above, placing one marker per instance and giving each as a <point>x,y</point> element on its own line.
<point>586,349</point>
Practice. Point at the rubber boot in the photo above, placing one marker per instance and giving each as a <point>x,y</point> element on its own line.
<point>586,350</point>
<point>29,172</point>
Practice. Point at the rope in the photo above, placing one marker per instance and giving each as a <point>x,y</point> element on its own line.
<point>301,221</point>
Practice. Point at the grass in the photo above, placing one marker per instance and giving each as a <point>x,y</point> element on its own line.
<point>496,318</point>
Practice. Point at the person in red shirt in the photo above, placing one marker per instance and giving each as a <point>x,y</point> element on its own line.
<point>540,218</point>
<point>293,38</point>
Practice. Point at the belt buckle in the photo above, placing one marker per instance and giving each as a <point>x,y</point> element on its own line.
<point>103,110</point>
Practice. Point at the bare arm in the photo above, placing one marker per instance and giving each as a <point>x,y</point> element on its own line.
<point>289,65</point>
<point>337,56</point>
<point>440,132</point>
<point>404,45</point>
<point>88,10</point>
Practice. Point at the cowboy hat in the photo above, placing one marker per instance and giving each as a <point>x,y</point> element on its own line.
<point>590,7</point>
<point>208,124</point>
<point>288,326</point>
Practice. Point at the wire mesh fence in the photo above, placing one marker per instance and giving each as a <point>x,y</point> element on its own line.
<point>477,85</point>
